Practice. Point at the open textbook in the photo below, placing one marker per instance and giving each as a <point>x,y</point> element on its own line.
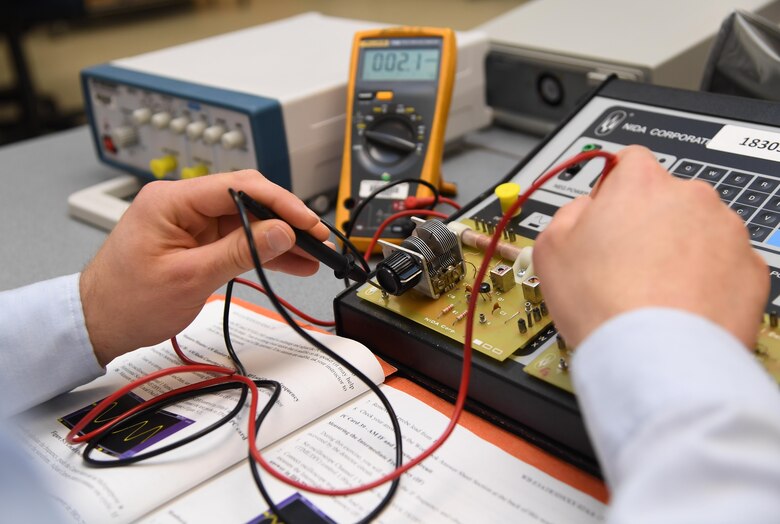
<point>324,429</point>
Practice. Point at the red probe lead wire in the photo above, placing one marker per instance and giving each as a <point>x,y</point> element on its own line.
<point>466,369</point>
<point>231,375</point>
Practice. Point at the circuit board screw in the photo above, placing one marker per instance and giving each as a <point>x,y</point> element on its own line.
<point>482,318</point>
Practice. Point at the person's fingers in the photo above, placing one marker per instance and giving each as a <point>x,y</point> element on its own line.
<point>209,197</point>
<point>566,217</point>
<point>229,223</point>
<point>636,169</point>
<point>219,261</point>
<point>550,240</point>
<point>293,264</point>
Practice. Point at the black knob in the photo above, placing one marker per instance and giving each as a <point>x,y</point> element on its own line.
<point>389,140</point>
<point>399,272</point>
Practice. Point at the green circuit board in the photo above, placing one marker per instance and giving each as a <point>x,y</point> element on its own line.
<point>496,333</point>
<point>551,365</point>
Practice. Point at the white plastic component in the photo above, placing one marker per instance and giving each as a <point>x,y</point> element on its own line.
<point>195,130</point>
<point>212,134</point>
<point>458,228</point>
<point>124,136</point>
<point>161,120</point>
<point>233,139</point>
<point>142,115</point>
<point>523,268</point>
<point>179,124</point>
<point>105,203</point>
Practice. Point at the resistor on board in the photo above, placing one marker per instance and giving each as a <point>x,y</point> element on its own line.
<point>460,317</point>
<point>446,310</point>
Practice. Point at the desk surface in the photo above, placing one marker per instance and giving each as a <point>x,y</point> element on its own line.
<point>40,239</point>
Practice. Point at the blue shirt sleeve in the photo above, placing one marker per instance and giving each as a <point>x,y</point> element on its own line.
<point>44,345</point>
<point>685,421</point>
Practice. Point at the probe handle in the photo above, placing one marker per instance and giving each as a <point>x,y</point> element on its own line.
<point>343,266</point>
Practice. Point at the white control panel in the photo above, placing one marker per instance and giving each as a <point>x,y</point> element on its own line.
<point>168,136</point>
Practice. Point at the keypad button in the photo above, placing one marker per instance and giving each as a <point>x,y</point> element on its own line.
<point>687,168</point>
<point>766,185</point>
<point>712,174</point>
<point>758,233</point>
<point>752,198</point>
<point>774,239</point>
<point>727,193</point>
<point>735,178</point>
<point>766,218</point>
<point>744,211</point>
<point>773,204</point>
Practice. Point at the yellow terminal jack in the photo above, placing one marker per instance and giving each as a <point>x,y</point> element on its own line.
<point>194,171</point>
<point>163,165</point>
<point>398,99</point>
<point>507,195</point>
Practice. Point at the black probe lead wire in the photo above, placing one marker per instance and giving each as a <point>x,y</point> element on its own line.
<point>371,196</point>
<point>338,358</point>
<point>95,443</point>
<point>346,244</point>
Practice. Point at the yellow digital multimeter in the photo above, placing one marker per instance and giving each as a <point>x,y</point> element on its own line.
<point>398,98</point>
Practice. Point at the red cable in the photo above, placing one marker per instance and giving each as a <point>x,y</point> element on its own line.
<point>466,369</point>
<point>287,305</point>
<point>396,216</point>
<point>232,376</point>
<point>414,202</point>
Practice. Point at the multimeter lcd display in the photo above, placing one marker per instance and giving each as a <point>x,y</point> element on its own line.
<point>401,64</point>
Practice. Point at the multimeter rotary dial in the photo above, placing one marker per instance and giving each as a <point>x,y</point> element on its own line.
<point>389,140</point>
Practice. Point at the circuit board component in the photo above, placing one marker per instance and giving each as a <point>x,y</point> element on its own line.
<point>440,303</point>
<point>552,365</point>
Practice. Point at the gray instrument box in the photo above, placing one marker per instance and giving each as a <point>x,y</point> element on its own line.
<point>546,54</point>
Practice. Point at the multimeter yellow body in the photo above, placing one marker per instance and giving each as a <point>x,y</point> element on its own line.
<point>398,99</point>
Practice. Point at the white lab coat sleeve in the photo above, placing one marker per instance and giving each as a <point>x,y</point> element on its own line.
<point>685,422</point>
<point>44,345</point>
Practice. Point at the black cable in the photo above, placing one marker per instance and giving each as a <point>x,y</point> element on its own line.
<point>156,406</point>
<point>346,244</point>
<point>316,343</point>
<point>371,196</point>
<point>174,399</point>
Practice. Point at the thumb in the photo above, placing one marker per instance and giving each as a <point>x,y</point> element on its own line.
<point>557,231</point>
<point>230,256</point>
<point>567,216</point>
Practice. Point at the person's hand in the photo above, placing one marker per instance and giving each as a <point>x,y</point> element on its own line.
<point>175,245</point>
<point>649,239</point>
